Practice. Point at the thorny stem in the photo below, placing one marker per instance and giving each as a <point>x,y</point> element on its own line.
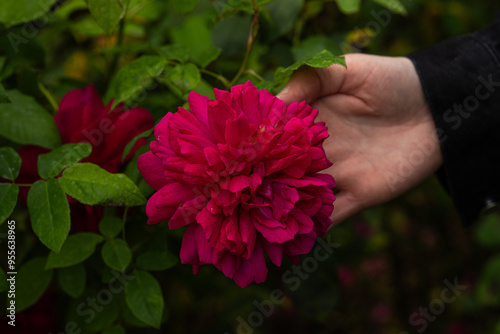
<point>252,36</point>
<point>119,42</point>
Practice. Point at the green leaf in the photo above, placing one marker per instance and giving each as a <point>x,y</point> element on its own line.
<point>319,60</point>
<point>314,45</point>
<point>235,6</point>
<point>110,226</point>
<point>393,5</point>
<point>52,163</point>
<point>174,52</point>
<point>10,163</point>
<point>158,242</point>
<point>87,27</point>
<point>131,144</point>
<point>184,6</point>
<point>131,319</point>
<point>147,10</point>
<point>67,8</point>
<point>152,260</point>
<point>24,121</point>
<point>92,185</point>
<point>487,291</point>
<point>487,232</point>
<point>4,286</point>
<point>105,318</point>
<point>144,298</point>
<point>115,330</point>
<point>49,212</point>
<point>194,35</point>
<point>133,173</point>
<point>312,8</point>
<point>130,81</point>
<point>116,254</point>
<point>19,11</point>
<point>77,248</point>
<point>185,77</point>
<point>96,309</point>
<point>72,279</point>
<point>349,6</point>
<point>204,88</point>
<point>3,61</point>
<point>107,13</point>
<point>324,59</point>
<point>267,85</point>
<point>231,34</point>
<point>31,282</point>
<point>497,328</point>
<point>8,200</point>
<point>3,96</point>
<point>284,14</point>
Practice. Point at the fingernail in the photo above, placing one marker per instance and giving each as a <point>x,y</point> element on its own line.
<point>284,91</point>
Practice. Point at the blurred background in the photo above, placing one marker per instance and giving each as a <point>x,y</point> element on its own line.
<point>405,267</point>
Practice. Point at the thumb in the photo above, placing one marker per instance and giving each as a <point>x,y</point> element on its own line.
<point>310,83</point>
<point>303,85</point>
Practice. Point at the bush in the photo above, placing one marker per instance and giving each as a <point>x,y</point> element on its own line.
<point>86,260</point>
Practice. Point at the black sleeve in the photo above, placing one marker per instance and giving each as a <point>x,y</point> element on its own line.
<point>461,81</point>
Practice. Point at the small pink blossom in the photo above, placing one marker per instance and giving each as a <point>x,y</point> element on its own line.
<point>241,172</point>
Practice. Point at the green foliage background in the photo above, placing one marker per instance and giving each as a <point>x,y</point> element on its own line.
<point>392,260</point>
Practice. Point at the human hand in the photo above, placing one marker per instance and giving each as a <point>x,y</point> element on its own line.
<point>383,140</point>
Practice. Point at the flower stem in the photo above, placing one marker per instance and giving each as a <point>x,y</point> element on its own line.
<point>252,36</point>
<point>124,220</point>
<point>119,42</point>
<point>219,77</point>
<point>255,74</point>
<point>48,96</point>
<point>297,31</point>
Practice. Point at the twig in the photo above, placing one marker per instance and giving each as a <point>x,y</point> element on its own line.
<point>48,96</point>
<point>119,42</point>
<point>252,36</point>
<point>219,77</point>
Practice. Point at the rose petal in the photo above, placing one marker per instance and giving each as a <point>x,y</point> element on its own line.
<point>301,244</point>
<point>173,194</point>
<point>198,106</point>
<point>273,250</point>
<point>195,249</point>
<point>151,168</point>
<point>156,214</point>
<point>252,270</point>
<point>78,109</point>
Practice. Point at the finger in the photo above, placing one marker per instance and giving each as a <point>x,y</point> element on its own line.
<point>303,85</point>
<point>344,207</point>
<point>309,83</point>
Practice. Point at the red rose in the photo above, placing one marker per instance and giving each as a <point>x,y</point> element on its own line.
<point>242,173</point>
<point>82,117</point>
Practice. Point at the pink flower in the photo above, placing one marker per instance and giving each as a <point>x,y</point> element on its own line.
<point>82,117</point>
<point>241,172</point>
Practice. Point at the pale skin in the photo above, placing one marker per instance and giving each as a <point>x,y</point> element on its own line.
<point>382,141</point>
